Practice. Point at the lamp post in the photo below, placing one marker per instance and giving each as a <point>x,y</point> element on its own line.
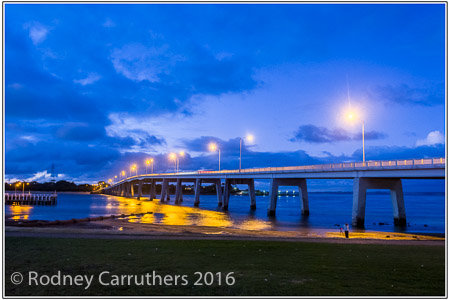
<point>181,154</point>
<point>351,116</point>
<point>213,147</point>
<point>133,168</point>
<point>147,163</point>
<point>173,156</point>
<point>249,138</point>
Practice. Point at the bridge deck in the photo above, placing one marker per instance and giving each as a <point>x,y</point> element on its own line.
<point>429,168</point>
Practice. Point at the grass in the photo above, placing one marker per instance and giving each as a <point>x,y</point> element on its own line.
<point>260,267</point>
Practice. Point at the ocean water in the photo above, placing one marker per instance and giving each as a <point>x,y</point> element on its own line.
<point>425,211</point>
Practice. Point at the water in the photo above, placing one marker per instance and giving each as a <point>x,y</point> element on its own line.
<point>425,211</point>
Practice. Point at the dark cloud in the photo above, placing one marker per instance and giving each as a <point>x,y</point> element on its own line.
<point>405,94</point>
<point>315,134</point>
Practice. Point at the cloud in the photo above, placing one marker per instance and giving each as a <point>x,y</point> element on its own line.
<point>314,134</point>
<point>37,32</point>
<point>433,138</point>
<point>404,94</point>
<point>140,63</point>
<point>92,77</point>
<point>40,176</point>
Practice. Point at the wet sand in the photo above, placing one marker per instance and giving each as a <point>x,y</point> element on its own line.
<point>124,229</point>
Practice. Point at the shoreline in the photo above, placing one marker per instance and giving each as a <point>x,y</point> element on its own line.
<point>123,229</point>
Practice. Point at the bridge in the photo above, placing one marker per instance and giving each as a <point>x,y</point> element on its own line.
<point>386,174</point>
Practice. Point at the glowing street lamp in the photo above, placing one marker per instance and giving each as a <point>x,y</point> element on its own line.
<point>123,174</point>
<point>15,187</point>
<point>352,116</point>
<point>147,163</point>
<point>133,168</point>
<point>213,147</point>
<point>249,138</point>
<point>173,157</point>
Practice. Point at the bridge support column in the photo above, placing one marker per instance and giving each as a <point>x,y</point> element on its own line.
<point>164,187</point>
<point>131,189</point>
<point>219,192</point>
<point>273,194</point>
<point>178,191</point>
<point>251,193</point>
<point>140,189</point>
<point>198,187</point>
<point>152,190</point>
<point>122,190</point>
<point>226,194</point>
<point>360,187</point>
<point>302,189</point>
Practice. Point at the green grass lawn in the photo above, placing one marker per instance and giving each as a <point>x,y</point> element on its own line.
<point>260,267</point>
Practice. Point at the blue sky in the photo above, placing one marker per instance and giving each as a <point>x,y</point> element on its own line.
<point>94,88</point>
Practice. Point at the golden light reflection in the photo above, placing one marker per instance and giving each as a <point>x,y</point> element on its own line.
<point>20,211</point>
<point>254,225</point>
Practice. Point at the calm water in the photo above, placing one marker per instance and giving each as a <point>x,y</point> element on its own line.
<point>425,212</point>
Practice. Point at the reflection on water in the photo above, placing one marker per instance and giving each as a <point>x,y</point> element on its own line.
<point>425,211</point>
<point>21,212</point>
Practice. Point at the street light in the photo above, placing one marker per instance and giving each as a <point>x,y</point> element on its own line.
<point>147,163</point>
<point>249,138</point>
<point>181,154</point>
<point>173,157</point>
<point>133,168</point>
<point>213,147</point>
<point>351,117</point>
<point>123,174</point>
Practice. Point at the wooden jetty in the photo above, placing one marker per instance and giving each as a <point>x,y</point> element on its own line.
<point>30,199</point>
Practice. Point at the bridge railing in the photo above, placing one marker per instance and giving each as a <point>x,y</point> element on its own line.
<point>350,165</point>
<point>324,167</point>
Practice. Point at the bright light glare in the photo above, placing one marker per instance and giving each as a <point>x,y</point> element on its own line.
<point>212,147</point>
<point>182,153</point>
<point>250,138</point>
<point>351,115</point>
<point>172,156</point>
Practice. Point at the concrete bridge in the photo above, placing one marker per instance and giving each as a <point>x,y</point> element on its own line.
<point>366,175</point>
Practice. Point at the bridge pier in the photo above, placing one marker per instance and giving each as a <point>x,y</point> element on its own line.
<point>140,189</point>
<point>152,190</point>
<point>360,187</point>
<point>219,192</point>
<point>179,191</point>
<point>131,189</point>
<point>198,187</point>
<point>164,187</point>
<point>251,191</point>
<point>121,190</point>
<point>273,193</point>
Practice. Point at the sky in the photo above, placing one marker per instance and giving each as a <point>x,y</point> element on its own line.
<point>94,88</point>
